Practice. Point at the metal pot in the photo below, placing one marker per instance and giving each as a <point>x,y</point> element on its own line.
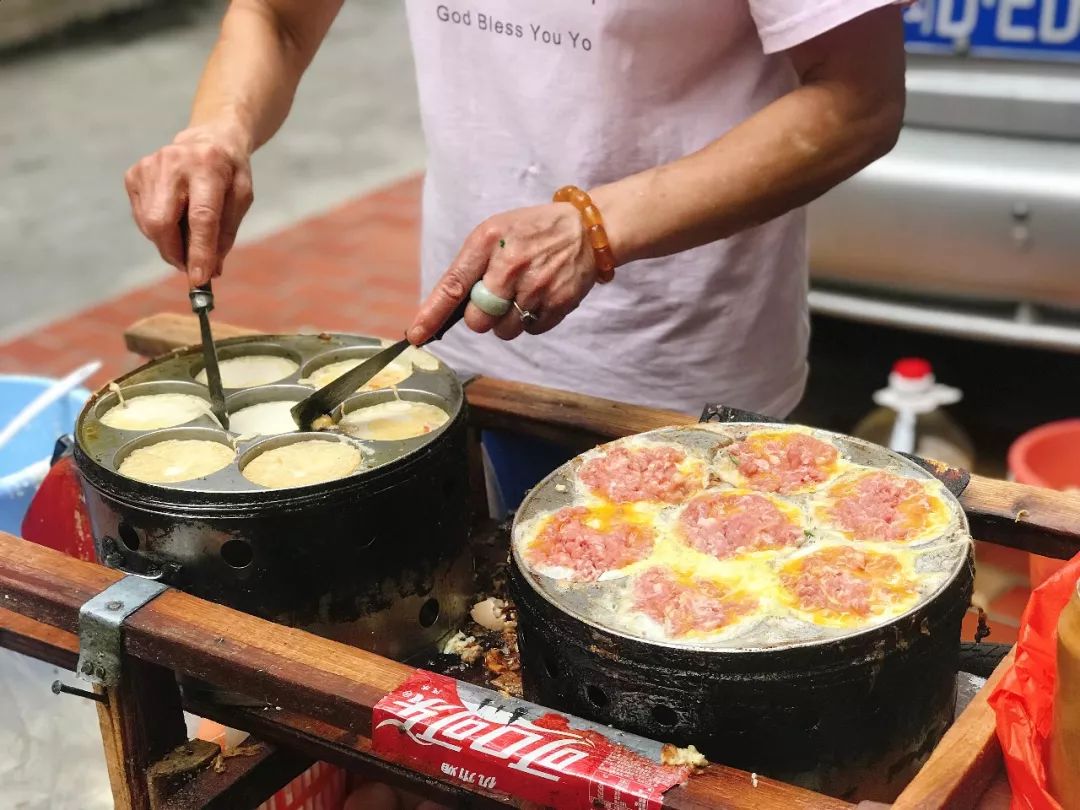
<point>378,559</point>
<point>851,714</point>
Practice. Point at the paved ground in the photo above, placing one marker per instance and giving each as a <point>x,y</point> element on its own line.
<point>90,107</point>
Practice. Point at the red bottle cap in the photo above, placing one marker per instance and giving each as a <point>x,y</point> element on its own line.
<point>912,368</point>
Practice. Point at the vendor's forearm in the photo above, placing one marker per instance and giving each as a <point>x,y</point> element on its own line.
<point>251,77</point>
<point>783,157</point>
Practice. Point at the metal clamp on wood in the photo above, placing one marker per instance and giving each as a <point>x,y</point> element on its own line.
<point>100,622</point>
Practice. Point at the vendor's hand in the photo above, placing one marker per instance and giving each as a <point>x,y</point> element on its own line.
<point>539,257</point>
<point>204,174</point>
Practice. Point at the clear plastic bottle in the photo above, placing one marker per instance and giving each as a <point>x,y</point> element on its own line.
<point>909,417</point>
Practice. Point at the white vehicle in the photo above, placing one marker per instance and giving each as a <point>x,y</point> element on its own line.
<point>971,226</point>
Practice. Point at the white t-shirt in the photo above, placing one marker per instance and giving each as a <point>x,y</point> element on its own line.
<point>520,98</point>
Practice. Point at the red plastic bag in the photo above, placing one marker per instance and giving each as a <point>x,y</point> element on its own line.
<point>1024,699</point>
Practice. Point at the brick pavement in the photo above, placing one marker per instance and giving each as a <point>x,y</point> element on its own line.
<point>352,269</point>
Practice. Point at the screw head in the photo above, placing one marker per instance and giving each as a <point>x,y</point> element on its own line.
<point>114,605</point>
<point>87,668</point>
<point>100,673</point>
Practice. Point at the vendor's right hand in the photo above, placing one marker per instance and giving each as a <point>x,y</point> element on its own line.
<point>205,175</point>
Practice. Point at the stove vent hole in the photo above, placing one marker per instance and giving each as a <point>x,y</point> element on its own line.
<point>597,697</point>
<point>664,715</point>
<point>237,553</point>
<point>429,613</point>
<point>128,536</point>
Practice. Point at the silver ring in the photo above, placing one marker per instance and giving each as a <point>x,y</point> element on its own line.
<point>526,316</point>
<point>488,302</point>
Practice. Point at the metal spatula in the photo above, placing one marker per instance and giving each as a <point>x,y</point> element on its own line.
<point>334,393</point>
<point>202,301</point>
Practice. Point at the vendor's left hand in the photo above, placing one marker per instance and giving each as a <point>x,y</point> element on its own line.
<point>539,257</point>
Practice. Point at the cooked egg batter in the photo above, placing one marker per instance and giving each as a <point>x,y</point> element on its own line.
<point>391,421</point>
<point>264,419</point>
<point>393,374</point>
<point>252,370</point>
<point>176,460</point>
<point>155,411</point>
<point>303,463</point>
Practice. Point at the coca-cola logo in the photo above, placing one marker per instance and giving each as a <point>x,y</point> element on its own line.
<point>488,730</point>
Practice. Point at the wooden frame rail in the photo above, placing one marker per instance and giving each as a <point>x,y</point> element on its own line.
<point>325,690</point>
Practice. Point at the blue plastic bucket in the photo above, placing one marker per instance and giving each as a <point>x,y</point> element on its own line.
<point>24,460</point>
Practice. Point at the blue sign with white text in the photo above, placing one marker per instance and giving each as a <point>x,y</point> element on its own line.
<point>1007,29</point>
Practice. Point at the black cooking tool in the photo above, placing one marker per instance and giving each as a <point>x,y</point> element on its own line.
<point>334,393</point>
<point>202,302</point>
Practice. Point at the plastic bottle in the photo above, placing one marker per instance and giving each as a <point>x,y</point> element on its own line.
<point>909,417</point>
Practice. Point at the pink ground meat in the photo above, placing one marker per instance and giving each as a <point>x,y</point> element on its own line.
<point>726,524</point>
<point>568,541</point>
<point>625,474</point>
<point>682,607</point>
<point>840,580</point>
<point>785,464</point>
<point>882,506</point>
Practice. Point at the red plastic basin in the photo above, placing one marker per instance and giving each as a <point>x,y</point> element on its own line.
<point>1047,456</point>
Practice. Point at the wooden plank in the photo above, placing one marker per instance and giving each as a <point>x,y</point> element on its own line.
<point>245,780</point>
<point>337,746</point>
<point>38,640</point>
<point>141,723</point>
<point>280,665</point>
<point>531,408</point>
<point>161,333</point>
<point>711,788</point>
<point>1033,519</point>
<point>965,762</point>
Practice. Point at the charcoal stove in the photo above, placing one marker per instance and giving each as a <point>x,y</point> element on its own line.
<point>378,559</point>
<point>853,714</point>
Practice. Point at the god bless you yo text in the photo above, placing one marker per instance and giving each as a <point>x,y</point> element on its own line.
<point>506,28</point>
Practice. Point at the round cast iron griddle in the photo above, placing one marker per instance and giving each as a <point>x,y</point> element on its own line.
<point>601,605</point>
<point>105,447</point>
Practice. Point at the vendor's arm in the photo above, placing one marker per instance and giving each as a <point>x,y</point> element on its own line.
<point>243,98</point>
<point>846,113</point>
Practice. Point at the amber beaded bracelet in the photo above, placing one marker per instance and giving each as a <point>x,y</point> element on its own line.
<point>594,226</point>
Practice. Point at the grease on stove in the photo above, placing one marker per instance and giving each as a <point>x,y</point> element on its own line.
<point>486,655</point>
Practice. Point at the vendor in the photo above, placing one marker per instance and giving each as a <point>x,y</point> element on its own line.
<point>697,130</point>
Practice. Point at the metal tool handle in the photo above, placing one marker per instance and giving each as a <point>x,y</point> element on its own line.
<point>455,316</point>
<point>202,298</point>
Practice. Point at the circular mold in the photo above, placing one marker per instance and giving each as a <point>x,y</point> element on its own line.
<point>174,434</point>
<point>369,399</point>
<point>130,392</point>
<point>350,354</point>
<point>97,445</point>
<point>285,440</point>
<point>250,397</point>
<point>228,352</point>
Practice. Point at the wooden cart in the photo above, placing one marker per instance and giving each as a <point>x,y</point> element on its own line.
<point>321,693</point>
